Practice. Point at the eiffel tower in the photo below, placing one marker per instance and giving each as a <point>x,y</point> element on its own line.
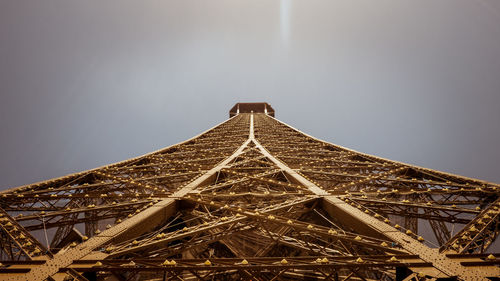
<point>252,199</point>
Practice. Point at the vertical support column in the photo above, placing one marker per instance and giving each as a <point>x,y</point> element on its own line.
<point>251,136</point>
<point>135,225</point>
<point>370,224</point>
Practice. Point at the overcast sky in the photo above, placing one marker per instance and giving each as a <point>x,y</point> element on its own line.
<point>87,83</point>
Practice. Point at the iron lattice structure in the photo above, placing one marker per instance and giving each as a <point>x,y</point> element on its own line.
<point>251,199</point>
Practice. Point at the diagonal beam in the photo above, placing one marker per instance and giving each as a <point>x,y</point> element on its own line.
<point>20,237</point>
<point>477,235</point>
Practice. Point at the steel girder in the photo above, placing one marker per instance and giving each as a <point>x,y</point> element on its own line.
<point>252,199</point>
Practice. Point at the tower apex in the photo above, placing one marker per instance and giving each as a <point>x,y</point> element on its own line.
<point>248,107</point>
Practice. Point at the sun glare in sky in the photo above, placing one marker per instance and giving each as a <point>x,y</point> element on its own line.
<point>285,10</point>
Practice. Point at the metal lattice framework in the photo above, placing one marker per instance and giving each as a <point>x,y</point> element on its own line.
<point>252,199</point>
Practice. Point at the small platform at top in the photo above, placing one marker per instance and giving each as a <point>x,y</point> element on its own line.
<point>248,107</point>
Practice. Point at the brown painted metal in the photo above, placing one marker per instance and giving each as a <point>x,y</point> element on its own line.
<point>251,107</point>
<point>251,199</point>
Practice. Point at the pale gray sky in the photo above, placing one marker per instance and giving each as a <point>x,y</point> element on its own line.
<point>86,83</point>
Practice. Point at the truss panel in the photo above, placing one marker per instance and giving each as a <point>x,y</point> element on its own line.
<point>252,199</point>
